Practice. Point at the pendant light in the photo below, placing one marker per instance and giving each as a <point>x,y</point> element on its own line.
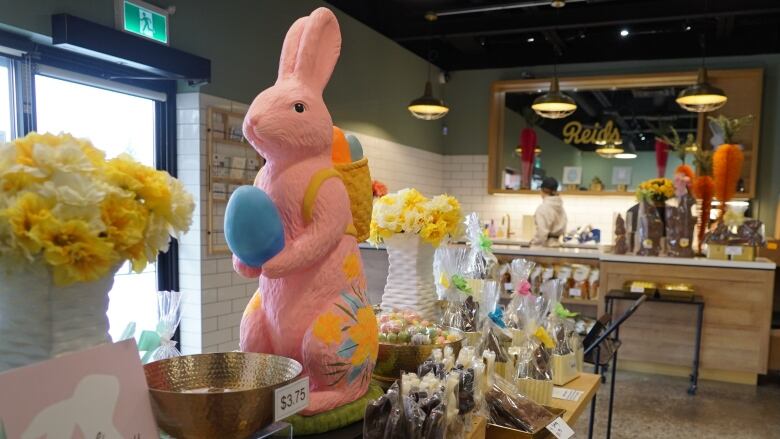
<point>629,153</point>
<point>554,104</point>
<point>702,97</point>
<point>609,150</point>
<point>427,106</point>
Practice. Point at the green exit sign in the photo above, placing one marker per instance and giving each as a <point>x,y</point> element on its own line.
<point>140,18</point>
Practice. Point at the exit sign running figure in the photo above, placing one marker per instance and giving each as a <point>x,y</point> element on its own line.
<point>139,18</point>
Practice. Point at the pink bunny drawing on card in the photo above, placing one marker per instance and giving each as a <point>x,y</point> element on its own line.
<point>311,303</point>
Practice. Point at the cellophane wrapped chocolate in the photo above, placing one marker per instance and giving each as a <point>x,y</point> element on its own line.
<point>680,221</point>
<point>531,351</point>
<point>521,270</point>
<point>481,264</point>
<point>461,310</point>
<point>169,317</point>
<point>650,228</point>
<point>621,240</point>
<point>507,407</point>
<point>559,327</point>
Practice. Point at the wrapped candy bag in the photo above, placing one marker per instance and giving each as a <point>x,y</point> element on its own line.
<point>650,228</point>
<point>531,353</point>
<point>521,270</point>
<point>679,220</point>
<point>169,315</point>
<point>462,310</point>
<point>481,263</point>
<point>564,359</point>
<point>496,339</point>
<point>447,263</point>
<point>507,407</point>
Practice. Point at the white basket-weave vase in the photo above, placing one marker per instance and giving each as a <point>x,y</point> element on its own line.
<point>410,283</point>
<point>39,320</point>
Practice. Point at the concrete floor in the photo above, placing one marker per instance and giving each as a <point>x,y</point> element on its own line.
<point>655,407</point>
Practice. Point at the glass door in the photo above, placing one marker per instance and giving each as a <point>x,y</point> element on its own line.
<point>116,121</point>
<point>6,104</point>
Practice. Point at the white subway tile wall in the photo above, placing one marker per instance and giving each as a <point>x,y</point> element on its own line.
<point>465,177</point>
<point>215,296</point>
<point>400,166</point>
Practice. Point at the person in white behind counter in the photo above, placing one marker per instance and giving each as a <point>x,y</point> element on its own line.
<point>549,218</point>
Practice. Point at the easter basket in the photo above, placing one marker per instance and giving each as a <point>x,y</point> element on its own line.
<point>357,180</point>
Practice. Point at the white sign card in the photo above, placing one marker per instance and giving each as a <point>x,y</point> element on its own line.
<point>291,399</point>
<point>560,429</point>
<point>572,174</point>
<point>100,392</point>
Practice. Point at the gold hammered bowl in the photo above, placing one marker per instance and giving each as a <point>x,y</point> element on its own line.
<point>396,358</point>
<point>224,395</point>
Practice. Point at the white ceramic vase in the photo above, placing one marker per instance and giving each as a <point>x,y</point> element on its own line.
<point>39,320</point>
<point>410,283</point>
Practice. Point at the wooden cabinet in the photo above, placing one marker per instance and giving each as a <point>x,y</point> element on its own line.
<point>737,319</point>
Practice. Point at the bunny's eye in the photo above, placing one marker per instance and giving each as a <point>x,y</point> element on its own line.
<point>299,107</point>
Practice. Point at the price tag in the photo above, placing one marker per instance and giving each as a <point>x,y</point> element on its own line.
<point>733,250</point>
<point>566,394</point>
<point>575,292</point>
<point>560,429</point>
<point>291,399</point>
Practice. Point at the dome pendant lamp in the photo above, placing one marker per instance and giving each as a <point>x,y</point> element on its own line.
<point>427,106</point>
<point>702,97</point>
<point>554,104</point>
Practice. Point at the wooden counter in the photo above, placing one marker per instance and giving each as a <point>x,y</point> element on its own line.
<point>660,336</point>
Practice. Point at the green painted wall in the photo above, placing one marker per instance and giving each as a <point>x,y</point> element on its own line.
<point>468,96</point>
<point>373,81</point>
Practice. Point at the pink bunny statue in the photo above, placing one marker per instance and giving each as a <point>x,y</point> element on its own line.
<point>311,303</point>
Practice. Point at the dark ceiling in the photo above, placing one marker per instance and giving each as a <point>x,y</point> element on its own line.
<point>531,32</point>
<point>638,113</point>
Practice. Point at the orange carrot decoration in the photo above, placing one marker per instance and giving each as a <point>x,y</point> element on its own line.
<point>704,187</point>
<point>726,170</point>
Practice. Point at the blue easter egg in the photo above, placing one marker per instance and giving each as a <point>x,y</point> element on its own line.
<point>355,148</point>
<point>253,227</point>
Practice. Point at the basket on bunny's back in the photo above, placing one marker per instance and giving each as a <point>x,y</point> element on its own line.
<point>310,304</point>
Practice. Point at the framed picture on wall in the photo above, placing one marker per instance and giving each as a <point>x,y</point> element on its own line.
<point>572,175</point>
<point>621,175</point>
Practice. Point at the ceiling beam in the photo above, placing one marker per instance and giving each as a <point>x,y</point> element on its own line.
<point>579,23</point>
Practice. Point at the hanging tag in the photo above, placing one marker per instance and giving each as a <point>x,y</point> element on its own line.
<point>560,429</point>
<point>291,399</point>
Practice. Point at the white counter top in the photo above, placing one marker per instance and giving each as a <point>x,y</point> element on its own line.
<point>553,252</point>
<point>578,253</point>
<point>758,264</point>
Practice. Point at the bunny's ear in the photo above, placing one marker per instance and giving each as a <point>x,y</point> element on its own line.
<point>319,49</point>
<point>290,48</point>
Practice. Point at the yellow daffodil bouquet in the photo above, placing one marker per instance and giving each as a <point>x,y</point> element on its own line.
<point>655,190</point>
<point>62,203</point>
<point>408,211</point>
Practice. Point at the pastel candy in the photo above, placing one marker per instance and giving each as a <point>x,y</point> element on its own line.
<point>253,228</point>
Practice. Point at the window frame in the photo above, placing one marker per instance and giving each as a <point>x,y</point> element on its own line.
<point>33,58</point>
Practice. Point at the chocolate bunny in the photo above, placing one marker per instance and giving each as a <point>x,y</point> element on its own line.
<point>311,303</point>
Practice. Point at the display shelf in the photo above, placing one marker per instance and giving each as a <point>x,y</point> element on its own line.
<point>228,141</point>
<point>232,180</point>
<point>226,157</point>
<point>582,302</point>
<point>588,384</point>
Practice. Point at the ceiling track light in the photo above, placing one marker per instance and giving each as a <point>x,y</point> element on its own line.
<point>558,3</point>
